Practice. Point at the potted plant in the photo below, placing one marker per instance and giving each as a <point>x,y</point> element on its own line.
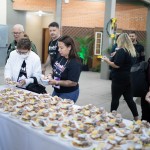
<point>85,44</point>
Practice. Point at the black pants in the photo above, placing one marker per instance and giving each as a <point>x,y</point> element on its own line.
<point>145,106</point>
<point>117,91</point>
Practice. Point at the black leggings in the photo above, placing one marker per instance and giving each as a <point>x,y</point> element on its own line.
<point>145,106</point>
<point>125,90</point>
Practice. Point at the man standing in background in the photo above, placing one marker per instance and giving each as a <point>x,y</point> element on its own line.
<point>53,53</point>
<point>18,33</point>
<point>140,57</point>
<point>138,47</point>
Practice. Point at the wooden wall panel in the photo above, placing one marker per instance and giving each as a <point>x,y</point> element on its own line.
<point>89,14</point>
<point>35,5</point>
<point>79,13</point>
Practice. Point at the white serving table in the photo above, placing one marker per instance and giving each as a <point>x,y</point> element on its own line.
<point>15,135</point>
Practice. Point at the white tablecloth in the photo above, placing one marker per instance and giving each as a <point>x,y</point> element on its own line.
<point>14,135</point>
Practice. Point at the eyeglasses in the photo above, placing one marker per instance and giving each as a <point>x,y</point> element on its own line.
<point>16,33</point>
<point>22,53</point>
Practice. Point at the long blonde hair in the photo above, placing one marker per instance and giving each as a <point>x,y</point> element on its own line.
<point>125,42</point>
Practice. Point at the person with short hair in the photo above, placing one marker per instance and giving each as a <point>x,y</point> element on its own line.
<point>23,64</point>
<point>139,58</point>
<point>18,32</point>
<point>66,70</point>
<point>140,54</point>
<point>53,53</point>
<point>121,79</point>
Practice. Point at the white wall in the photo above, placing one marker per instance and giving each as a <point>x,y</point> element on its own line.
<point>3,11</point>
<point>34,27</point>
<point>46,20</point>
<point>34,30</point>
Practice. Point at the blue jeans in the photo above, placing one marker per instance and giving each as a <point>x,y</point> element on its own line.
<point>71,95</point>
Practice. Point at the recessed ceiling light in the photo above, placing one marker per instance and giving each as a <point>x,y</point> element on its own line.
<point>66,1</point>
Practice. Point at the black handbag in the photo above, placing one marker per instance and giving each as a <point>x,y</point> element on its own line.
<point>36,87</point>
<point>139,79</point>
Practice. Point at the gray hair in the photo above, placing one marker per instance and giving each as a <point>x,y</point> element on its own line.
<point>20,26</point>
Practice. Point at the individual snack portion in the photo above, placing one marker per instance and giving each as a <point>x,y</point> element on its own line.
<point>52,129</point>
<point>11,83</point>
<point>82,142</point>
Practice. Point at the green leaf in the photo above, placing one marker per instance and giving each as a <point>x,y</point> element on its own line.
<point>84,47</point>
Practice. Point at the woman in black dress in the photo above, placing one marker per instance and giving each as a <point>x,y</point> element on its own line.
<point>121,79</point>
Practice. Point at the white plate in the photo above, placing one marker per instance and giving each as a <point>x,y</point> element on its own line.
<point>83,148</point>
<point>1,110</point>
<point>66,138</point>
<point>4,112</point>
<point>97,141</point>
<point>12,116</point>
<point>50,134</point>
<point>34,127</point>
<point>26,122</point>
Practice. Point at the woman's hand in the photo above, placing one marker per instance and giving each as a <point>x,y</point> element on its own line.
<point>22,83</point>
<point>109,62</point>
<point>113,54</point>
<point>65,83</point>
<point>105,58</point>
<point>53,82</point>
<point>147,98</point>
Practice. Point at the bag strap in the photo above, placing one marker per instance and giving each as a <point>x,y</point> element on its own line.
<point>35,80</point>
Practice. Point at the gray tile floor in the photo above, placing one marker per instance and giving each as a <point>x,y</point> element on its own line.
<point>93,90</point>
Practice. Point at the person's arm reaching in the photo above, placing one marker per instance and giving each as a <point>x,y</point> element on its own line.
<point>46,64</point>
<point>112,64</point>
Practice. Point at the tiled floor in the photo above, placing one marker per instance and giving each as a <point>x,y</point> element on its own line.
<point>95,91</point>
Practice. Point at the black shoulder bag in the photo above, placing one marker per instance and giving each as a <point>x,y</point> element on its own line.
<point>139,79</point>
<point>36,87</point>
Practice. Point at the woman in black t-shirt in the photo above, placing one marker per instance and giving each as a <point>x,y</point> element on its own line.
<point>121,83</point>
<point>66,70</point>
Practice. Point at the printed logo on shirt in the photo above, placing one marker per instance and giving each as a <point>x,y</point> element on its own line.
<point>22,73</point>
<point>59,67</point>
<point>52,49</point>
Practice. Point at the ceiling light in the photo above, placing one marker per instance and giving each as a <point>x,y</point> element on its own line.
<point>66,1</point>
<point>40,13</point>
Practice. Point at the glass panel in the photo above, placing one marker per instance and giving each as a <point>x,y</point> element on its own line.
<point>98,42</point>
<point>98,36</point>
<point>98,45</point>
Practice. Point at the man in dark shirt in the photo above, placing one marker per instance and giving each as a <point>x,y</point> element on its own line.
<point>138,47</point>
<point>140,57</point>
<point>53,53</point>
